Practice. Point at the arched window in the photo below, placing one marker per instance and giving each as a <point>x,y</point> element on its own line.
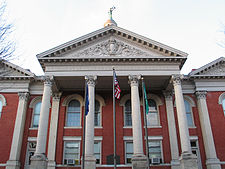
<point>153,115</point>
<point>223,103</point>
<point>190,121</point>
<point>0,108</point>
<point>127,113</point>
<point>97,113</point>
<point>73,114</point>
<point>36,115</point>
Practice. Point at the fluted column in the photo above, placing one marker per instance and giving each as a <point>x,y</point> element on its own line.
<point>212,162</point>
<point>90,161</point>
<point>139,160</point>
<point>187,159</point>
<point>53,130</point>
<point>13,162</point>
<point>175,163</point>
<point>39,160</point>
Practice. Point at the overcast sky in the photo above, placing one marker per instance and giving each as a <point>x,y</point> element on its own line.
<point>192,26</point>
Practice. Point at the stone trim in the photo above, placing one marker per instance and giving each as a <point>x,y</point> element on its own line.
<point>71,97</point>
<point>2,98</point>
<point>34,101</point>
<point>221,97</point>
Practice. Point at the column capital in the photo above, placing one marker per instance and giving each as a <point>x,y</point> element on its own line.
<point>176,79</point>
<point>91,80</point>
<point>56,96</point>
<point>168,94</point>
<point>134,79</point>
<point>201,94</point>
<point>48,80</point>
<point>24,95</point>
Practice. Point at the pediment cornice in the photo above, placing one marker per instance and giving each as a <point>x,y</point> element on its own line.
<point>215,69</point>
<point>112,31</point>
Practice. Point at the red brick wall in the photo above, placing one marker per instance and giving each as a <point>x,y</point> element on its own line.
<point>7,122</point>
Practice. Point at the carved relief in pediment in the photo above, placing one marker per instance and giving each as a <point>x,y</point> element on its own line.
<point>218,70</point>
<point>110,48</point>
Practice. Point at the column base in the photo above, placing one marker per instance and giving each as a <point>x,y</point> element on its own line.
<point>39,161</point>
<point>175,164</point>
<point>90,162</point>
<point>139,162</point>
<point>188,161</point>
<point>12,164</point>
<point>213,163</point>
<point>51,164</point>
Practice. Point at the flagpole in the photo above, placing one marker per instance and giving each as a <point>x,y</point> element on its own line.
<point>114,121</point>
<point>84,126</point>
<point>145,122</point>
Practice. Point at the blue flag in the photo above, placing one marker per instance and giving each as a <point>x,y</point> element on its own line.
<point>87,102</point>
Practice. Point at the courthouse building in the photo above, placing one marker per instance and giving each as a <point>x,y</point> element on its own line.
<point>41,122</point>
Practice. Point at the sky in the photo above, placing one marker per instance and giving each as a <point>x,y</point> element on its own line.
<point>196,27</point>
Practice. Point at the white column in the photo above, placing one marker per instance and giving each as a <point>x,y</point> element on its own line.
<point>187,159</point>
<point>212,162</point>
<point>90,161</point>
<point>13,162</point>
<point>172,130</point>
<point>139,160</point>
<point>136,116</point>
<point>181,115</point>
<point>39,160</point>
<point>53,130</point>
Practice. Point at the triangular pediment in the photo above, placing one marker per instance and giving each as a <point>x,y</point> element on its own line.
<point>215,68</point>
<point>124,43</point>
<point>112,47</point>
<point>8,69</point>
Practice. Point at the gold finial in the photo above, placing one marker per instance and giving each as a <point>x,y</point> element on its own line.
<point>110,21</point>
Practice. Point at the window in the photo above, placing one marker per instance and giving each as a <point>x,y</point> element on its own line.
<point>127,114</point>
<point>73,114</point>
<point>223,103</point>
<point>36,115</point>
<point>0,109</point>
<point>97,151</point>
<point>129,151</point>
<point>155,152</point>
<point>152,116</point>
<point>71,153</point>
<point>195,150</point>
<point>31,147</point>
<point>188,114</point>
<point>97,113</point>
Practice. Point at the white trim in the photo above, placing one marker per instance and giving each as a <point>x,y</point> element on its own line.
<point>70,127</point>
<point>154,97</point>
<point>34,101</point>
<point>2,164</point>
<point>98,138</point>
<point>73,97</point>
<point>32,139</point>
<point>71,138</point>
<point>124,99</point>
<point>155,138</point>
<point>128,138</point>
<point>2,98</point>
<point>190,100</point>
<point>100,99</point>
<point>221,97</point>
<point>193,137</point>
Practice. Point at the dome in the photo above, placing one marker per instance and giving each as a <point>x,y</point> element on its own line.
<point>110,22</point>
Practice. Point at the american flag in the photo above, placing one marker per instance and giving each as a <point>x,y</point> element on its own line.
<point>117,87</point>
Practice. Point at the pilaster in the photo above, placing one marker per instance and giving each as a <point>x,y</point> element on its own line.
<point>53,130</point>
<point>212,162</point>
<point>15,151</point>
<point>175,163</point>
